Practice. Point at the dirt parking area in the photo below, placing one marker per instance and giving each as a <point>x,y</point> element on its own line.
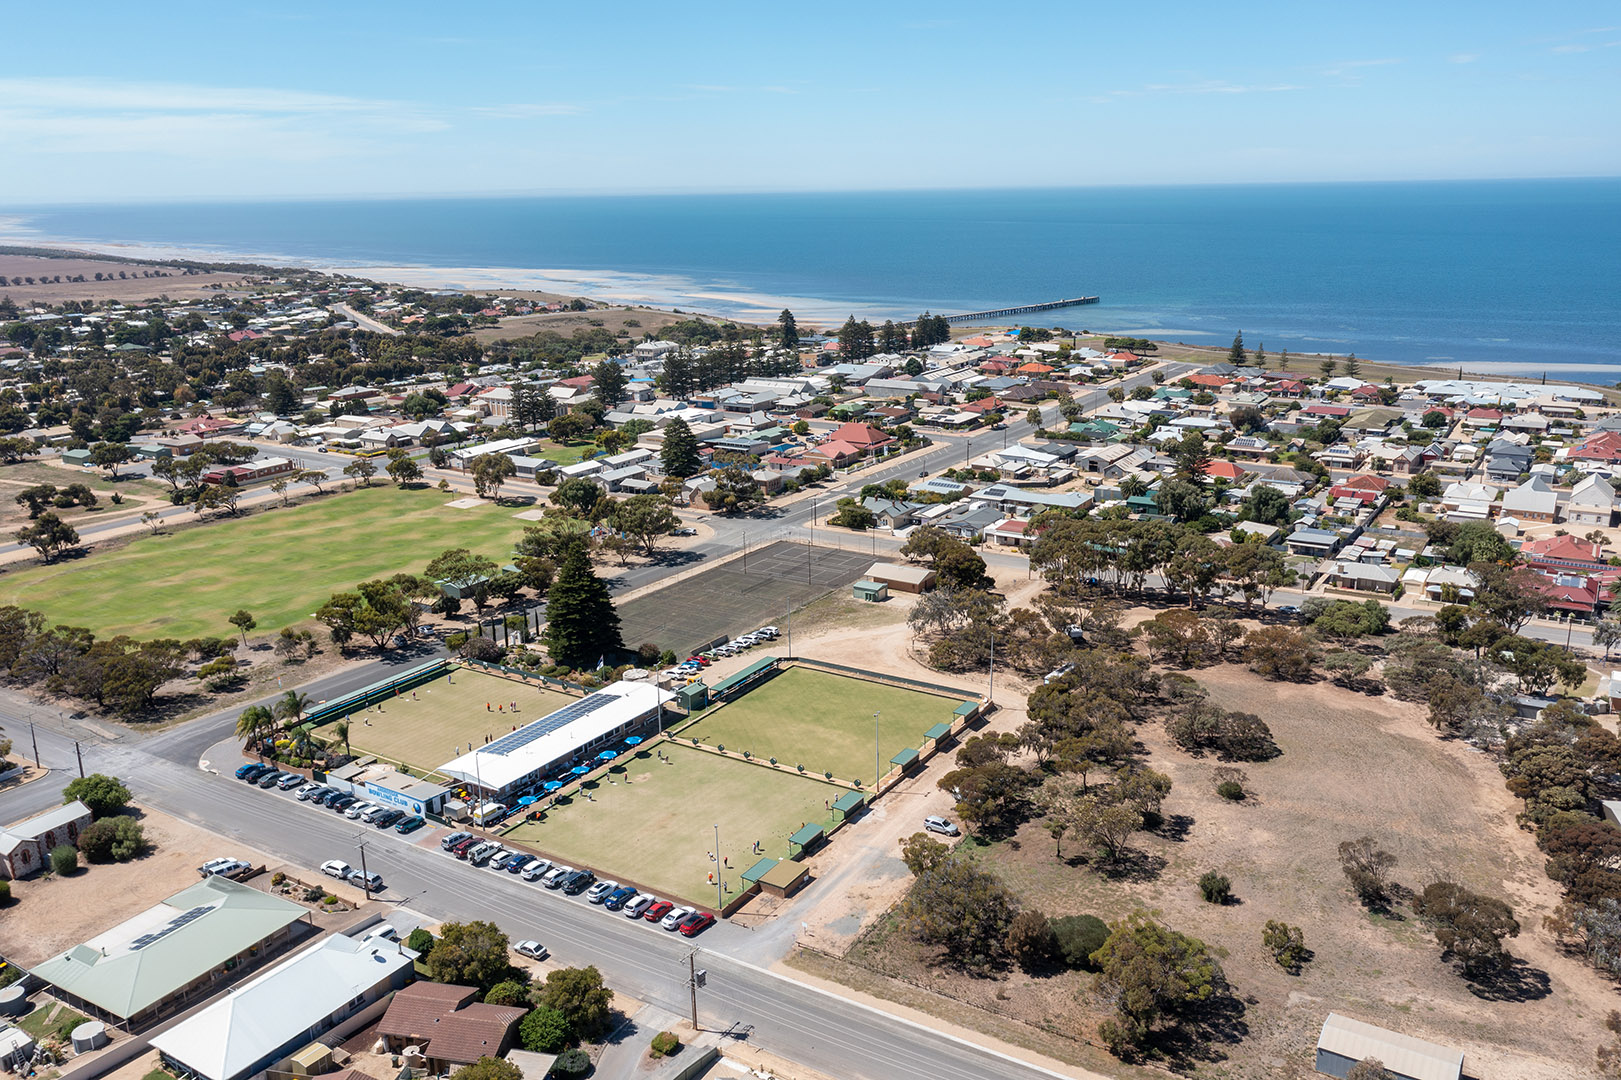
<point>49,914</point>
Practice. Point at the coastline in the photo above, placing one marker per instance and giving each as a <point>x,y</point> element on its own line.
<point>730,300</point>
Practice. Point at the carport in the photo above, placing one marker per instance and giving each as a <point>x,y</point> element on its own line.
<point>802,842</point>
<point>849,804</point>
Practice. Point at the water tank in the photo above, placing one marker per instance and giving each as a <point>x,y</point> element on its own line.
<point>88,1036</point>
<point>13,1000</point>
<point>414,1058</point>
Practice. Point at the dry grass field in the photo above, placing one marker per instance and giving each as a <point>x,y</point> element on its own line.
<point>1351,766</point>
<point>134,287</point>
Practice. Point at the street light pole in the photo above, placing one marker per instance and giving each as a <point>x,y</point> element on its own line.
<point>718,904</point>
<point>877,768</point>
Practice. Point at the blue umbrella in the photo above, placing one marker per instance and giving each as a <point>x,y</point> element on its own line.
<point>579,770</point>
<point>607,755</point>
<point>526,800</point>
<point>634,740</point>
<point>553,785</point>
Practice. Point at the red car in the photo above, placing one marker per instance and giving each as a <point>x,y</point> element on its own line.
<point>696,923</point>
<point>695,659</point>
<point>657,911</point>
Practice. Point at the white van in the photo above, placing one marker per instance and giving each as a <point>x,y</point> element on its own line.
<point>489,812</point>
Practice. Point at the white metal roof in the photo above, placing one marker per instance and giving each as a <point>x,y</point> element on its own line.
<point>556,735</point>
<point>235,1033</point>
<point>1401,1054</point>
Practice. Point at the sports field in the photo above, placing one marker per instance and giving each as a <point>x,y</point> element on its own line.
<point>428,726</point>
<point>278,564</point>
<point>823,721</point>
<point>654,823</point>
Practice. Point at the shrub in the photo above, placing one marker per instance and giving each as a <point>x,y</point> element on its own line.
<point>544,1031</point>
<point>572,1063</point>
<point>1030,940</point>
<point>64,859</point>
<point>104,795</point>
<point>665,1043</point>
<point>507,992</point>
<point>112,839</point>
<point>329,899</point>
<point>1079,936</point>
<point>278,877</point>
<point>420,941</point>
<point>5,893</point>
<point>1286,943</point>
<point>1215,888</point>
<point>1231,790</point>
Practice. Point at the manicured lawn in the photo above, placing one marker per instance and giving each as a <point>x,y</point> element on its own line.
<point>823,721</point>
<point>279,564</point>
<point>562,454</point>
<point>658,828</point>
<point>426,726</point>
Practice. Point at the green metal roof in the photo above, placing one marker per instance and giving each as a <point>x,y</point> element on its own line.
<point>142,961</point>
<point>759,870</point>
<point>940,730</point>
<point>805,836</point>
<point>965,708</point>
<point>849,801</point>
<point>721,688</point>
<point>905,757</point>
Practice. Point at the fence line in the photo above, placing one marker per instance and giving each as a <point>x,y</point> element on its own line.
<point>880,677</point>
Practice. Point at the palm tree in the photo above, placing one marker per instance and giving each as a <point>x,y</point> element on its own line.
<point>254,725</point>
<point>341,730</point>
<point>291,706</point>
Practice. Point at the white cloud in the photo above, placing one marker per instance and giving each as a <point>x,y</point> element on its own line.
<point>1463,58</point>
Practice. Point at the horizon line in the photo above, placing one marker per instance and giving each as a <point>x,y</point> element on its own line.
<point>677,193</point>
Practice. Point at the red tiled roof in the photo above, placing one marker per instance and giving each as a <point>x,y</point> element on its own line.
<point>1562,548</point>
<point>1223,470</point>
<point>1376,484</point>
<point>863,436</point>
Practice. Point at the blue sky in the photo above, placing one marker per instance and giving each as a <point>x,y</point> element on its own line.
<point>103,102</point>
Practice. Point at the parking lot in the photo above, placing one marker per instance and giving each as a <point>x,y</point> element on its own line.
<point>741,596</point>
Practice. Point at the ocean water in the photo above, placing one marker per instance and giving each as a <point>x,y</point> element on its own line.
<point>1514,277</point>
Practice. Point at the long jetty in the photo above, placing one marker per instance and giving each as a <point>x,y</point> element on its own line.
<point>1025,309</point>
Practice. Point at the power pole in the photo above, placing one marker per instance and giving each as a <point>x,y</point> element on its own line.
<point>32,734</point>
<point>696,977</point>
<point>365,879</point>
<point>80,756</point>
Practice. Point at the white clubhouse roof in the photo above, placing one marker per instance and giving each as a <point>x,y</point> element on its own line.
<point>556,735</point>
<point>259,1018</point>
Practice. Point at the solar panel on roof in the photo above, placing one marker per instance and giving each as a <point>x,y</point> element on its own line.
<point>527,734</point>
<point>174,924</point>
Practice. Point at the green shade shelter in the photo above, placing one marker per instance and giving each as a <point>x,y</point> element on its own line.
<point>905,758</point>
<point>759,870</point>
<point>805,839</point>
<point>754,671</point>
<point>939,731</point>
<point>848,804</point>
<point>967,708</point>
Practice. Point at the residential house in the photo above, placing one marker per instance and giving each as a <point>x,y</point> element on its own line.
<point>26,846</point>
<point>1012,532</point>
<point>1506,462</point>
<point>1363,576</point>
<point>1314,542</point>
<point>1593,502</point>
<point>448,1025</point>
<point>892,513</point>
<point>1532,501</point>
<point>1602,446</point>
<point>1563,553</point>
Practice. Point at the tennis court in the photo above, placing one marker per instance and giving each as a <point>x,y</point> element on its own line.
<point>823,721</point>
<point>428,726</point>
<point>652,821</point>
<point>741,596</point>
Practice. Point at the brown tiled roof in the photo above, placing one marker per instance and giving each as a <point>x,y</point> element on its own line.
<point>415,1010</point>
<point>480,1030</point>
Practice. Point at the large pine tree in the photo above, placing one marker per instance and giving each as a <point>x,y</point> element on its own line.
<point>582,627</point>
<point>787,330</point>
<point>679,455</point>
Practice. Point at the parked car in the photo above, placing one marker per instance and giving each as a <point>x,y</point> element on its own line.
<point>337,868</point>
<point>637,905</point>
<point>272,778</point>
<point>308,791</point>
<point>696,923</point>
<point>600,891</point>
<point>372,813</point>
<point>518,866</point>
<point>371,883</point>
<point>657,910</point>
<point>251,771</point>
<point>288,781</point>
<point>935,823</point>
<point>770,631</point>
<point>382,933</point>
<point>453,839</point>
<point>220,866</point>
<point>410,824</point>
<point>578,882</point>
<point>230,868</point>
<point>674,918</point>
<point>616,900</point>
<point>685,531</point>
<point>498,861</point>
<point>534,868</point>
<point>465,846</point>
<point>387,818</point>
<point>532,949</point>
<point>556,876</point>
<point>354,810</point>
<point>331,799</point>
<point>483,853</point>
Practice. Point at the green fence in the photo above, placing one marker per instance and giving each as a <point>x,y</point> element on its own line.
<point>380,691</point>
